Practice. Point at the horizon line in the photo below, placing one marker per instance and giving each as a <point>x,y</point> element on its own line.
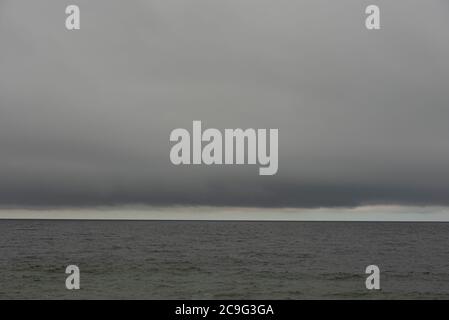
<point>367,213</point>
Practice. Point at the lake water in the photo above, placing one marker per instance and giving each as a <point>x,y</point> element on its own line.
<point>223,260</point>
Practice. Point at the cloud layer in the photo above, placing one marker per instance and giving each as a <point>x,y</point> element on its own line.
<point>85,116</point>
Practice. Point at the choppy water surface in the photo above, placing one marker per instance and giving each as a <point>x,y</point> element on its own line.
<point>223,260</point>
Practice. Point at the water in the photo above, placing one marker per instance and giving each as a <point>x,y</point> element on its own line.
<point>223,260</point>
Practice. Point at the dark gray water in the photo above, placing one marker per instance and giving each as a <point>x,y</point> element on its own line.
<point>224,260</point>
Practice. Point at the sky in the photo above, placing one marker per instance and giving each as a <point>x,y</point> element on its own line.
<point>85,116</point>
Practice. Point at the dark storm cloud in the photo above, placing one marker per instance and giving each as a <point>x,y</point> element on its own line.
<point>85,116</point>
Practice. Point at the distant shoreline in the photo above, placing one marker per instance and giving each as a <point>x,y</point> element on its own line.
<point>357,214</point>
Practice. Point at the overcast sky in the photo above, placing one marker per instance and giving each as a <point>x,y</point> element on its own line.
<point>85,116</point>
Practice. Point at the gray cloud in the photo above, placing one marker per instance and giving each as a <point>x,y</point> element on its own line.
<point>85,116</point>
